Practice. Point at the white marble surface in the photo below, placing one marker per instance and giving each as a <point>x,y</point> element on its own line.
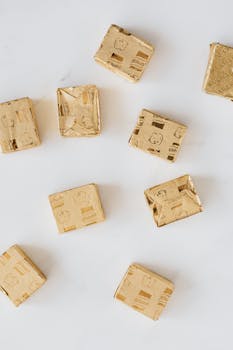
<point>50,44</point>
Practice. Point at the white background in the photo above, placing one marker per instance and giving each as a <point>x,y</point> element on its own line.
<point>50,44</point>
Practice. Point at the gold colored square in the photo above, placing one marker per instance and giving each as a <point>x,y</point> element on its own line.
<point>219,74</point>
<point>124,53</point>
<point>145,291</point>
<point>76,208</point>
<point>173,200</point>
<point>79,111</point>
<point>18,127</point>
<point>158,135</point>
<point>19,276</point>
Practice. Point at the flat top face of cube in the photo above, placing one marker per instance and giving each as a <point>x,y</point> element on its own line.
<point>144,291</point>
<point>79,112</point>
<point>124,53</point>
<point>173,200</point>
<point>77,208</point>
<point>219,74</point>
<point>19,277</point>
<point>158,135</point>
<point>18,128</point>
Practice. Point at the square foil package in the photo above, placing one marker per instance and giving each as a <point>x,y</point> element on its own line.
<point>219,74</point>
<point>19,276</point>
<point>77,207</point>
<point>144,291</point>
<point>18,127</point>
<point>158,135</point>
<point>124,53</point>
<point>173,200</point>
<point>79,111</point>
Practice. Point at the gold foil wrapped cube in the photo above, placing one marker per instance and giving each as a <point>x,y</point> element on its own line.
<point>219,74</point>
<point>157,135</point>
<point>173,200</point>
<point>19,276</point>
<point>76,208</point>
<point>79,111</point>
<point>144,291</point>
<point>124,53</point>
<point>18,127</point>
